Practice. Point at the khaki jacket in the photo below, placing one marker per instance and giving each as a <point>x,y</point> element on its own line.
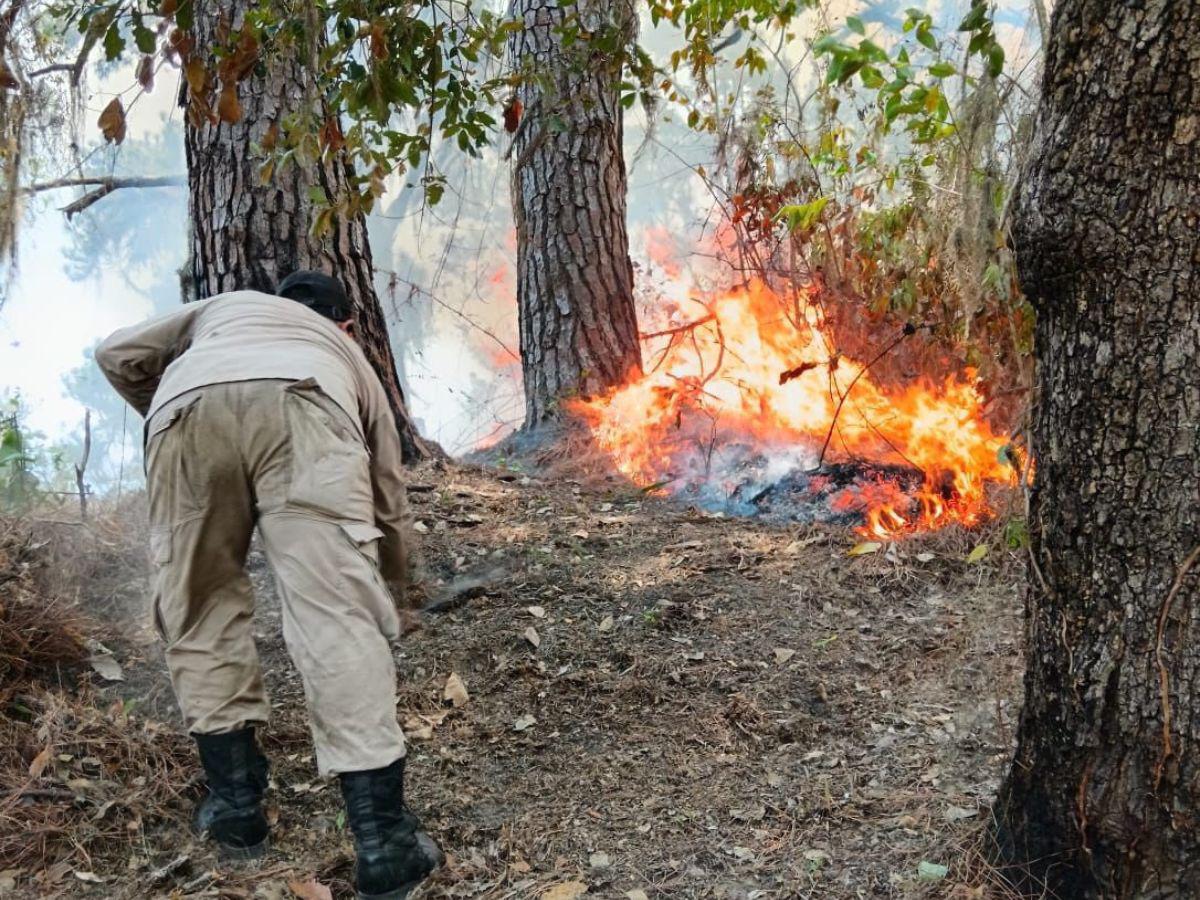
<point>248,336</point>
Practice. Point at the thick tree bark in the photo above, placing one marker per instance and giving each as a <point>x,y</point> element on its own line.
<point>574,279</point>
<point>247,234</point>
<point>1103,799</point>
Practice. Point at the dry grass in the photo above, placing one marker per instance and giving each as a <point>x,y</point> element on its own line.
<point>39,634</point>
<point>80,783</point>
<point>81,778</point>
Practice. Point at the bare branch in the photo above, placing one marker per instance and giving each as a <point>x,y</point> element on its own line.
<point>51,69</point>
<point>417,289</point>
<point>103,186</point>
<point>111,182</point>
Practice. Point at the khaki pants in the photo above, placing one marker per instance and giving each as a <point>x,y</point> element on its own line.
<point>283,456</point>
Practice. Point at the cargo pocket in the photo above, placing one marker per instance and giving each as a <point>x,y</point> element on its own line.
<point>330,471</point>
<point>160,555</point>
<point>379,603</point>
<point>365,538</point>
<point>171,465</point>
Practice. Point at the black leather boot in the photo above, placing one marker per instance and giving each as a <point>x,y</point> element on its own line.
<point>232,813</point>
<point>394,854</point>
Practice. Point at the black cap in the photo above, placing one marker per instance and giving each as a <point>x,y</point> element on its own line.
<point>319,292</point>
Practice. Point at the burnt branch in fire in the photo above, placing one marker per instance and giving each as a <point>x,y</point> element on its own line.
<point>906,331</point>
<point>706,377</point>
<point>792,374</point>
<point>679,329</point>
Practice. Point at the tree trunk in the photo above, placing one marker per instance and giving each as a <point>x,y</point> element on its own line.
<point>574,279</point>
<point>247,234</point>
<point>1103,799</point>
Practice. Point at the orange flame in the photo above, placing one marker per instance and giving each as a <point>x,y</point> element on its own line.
<point>719,382</point>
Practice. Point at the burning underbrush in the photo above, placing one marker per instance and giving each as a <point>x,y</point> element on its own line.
<point>748,407</point>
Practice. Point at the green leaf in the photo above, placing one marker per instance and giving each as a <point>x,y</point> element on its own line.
<point>835,70</point>
<point>847,71</point>
<point>942,70</point>
<point>827,43</point>
<point>114,43</point>
<point>433,192</point>
<point>1016,534</point>
<point>143,36</point>
<point>980,551</point>
<point>871,77</point>
<point>995,58</point>
<point>855,24</point>
<point>801,217</point>
<point>185,16</point>
<point>979,42</point>
<point>976,18</point>
<point>870,50</point>
<point>926,38</point>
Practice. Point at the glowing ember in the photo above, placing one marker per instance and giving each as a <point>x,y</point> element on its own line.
<point>751,394</point>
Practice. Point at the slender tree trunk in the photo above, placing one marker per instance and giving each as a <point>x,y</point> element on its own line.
<point>248,233</point>
<point>1103,799</point>
<point>574,278</point>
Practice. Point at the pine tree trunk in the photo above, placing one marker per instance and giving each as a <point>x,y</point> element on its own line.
<point>247,234</point>
<point>574,279</point>
<point>1103,799</point>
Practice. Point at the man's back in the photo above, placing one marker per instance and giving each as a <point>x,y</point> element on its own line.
<point>239,336</point>
<point>246,336</point>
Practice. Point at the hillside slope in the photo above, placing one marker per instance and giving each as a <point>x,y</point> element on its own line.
<point>657,700</point>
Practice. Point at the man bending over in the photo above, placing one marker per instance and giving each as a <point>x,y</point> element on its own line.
<point>261,411</point>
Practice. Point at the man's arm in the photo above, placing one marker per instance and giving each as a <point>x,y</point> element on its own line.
<point>387,483</point>
<point>133,359</point>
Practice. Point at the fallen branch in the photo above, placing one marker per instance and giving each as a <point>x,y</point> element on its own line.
<point>198,882</point>
<point>158,876</point>
<point>48,794</point>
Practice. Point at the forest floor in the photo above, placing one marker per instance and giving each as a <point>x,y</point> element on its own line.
<point>659,703</point>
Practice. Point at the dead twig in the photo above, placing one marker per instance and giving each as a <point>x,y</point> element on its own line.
<point>81,466</point>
